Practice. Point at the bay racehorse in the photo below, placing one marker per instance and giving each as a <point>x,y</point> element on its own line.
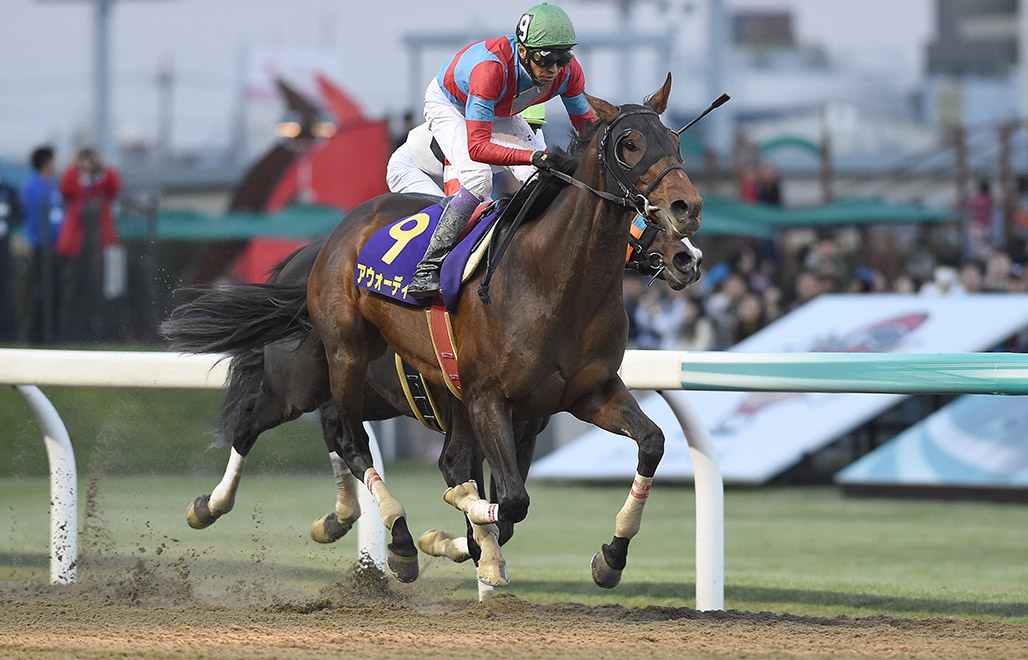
<point>551,340</point>
<point>274,381</point>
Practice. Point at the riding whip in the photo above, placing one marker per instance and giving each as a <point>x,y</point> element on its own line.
<point>718,102</point>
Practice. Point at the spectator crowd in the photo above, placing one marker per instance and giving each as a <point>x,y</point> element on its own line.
<point>54,235</point>
<point>759,281</point>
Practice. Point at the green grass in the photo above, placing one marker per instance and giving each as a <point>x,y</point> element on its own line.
<point>134,431</point>
<point>797,550</point>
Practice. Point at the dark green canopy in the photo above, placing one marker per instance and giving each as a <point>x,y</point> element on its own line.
<point>300,222</point>
<point>723,216</point>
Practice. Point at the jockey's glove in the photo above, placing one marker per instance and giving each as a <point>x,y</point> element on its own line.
<point>541,160</point>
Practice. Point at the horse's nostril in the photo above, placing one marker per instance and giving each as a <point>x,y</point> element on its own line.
<point>683,261</point>
<point>680,209</point>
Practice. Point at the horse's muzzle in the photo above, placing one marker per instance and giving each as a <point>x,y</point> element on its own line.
<point>685,266</point>
<point>685,216</point>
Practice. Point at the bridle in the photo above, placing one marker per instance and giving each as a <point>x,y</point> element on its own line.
<point>641,259</point>
<point>618,174</point>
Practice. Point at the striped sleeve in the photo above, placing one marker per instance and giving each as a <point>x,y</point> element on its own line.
<point>579,112</point>
<point>482,149</point>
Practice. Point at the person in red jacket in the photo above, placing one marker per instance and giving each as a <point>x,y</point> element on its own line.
<point>89,188</point>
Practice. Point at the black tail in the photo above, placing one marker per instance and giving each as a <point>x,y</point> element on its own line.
<point>239,317</point>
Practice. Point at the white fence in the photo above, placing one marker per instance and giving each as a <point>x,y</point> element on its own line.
<point>984,373</point>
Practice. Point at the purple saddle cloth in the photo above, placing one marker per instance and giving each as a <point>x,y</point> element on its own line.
<point>387,261</point>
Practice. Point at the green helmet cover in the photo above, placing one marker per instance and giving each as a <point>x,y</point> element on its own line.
<point>535,114</point>
<point>545,26</point>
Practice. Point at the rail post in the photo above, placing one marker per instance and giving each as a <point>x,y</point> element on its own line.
<point>63,486</point>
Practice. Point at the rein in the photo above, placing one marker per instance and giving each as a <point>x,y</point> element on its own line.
<point>498,245</point>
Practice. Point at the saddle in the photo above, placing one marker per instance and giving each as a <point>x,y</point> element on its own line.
<point>387,261</point>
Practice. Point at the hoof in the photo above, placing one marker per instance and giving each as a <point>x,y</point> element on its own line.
<point>404,569</point>
<point>603,575</point>
<point>493,574</point>
<point>199,515</point>
<point>329,529</point>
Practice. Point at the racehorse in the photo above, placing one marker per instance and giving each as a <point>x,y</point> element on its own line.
<point>271,382</point>
<point>551,340</point>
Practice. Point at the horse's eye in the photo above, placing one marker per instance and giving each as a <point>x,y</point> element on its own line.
<point>629,145</point>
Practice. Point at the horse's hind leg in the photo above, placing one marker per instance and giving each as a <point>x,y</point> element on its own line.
<point>348,362</point>
<point>333,526</point>
<point>266,414</point>
<point>615,410</point>
<point>267,387</point>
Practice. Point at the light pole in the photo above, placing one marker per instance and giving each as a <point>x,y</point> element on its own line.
<point>101,75</point>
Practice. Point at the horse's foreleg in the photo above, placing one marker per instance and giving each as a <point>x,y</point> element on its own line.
<point>438,543</point>
<point>615,410</point>
<point>456,462</point>
<point>208,508</point>
<point>492,568</point>
<point>493,426</point>
<point>460,463</point>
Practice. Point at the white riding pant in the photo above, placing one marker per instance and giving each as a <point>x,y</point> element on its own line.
<point>403,175</point>
<point>450,129</point>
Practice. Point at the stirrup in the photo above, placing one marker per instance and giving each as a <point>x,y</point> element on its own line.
<point>424,287</point>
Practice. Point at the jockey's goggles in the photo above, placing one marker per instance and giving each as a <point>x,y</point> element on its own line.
<point>546,58</point>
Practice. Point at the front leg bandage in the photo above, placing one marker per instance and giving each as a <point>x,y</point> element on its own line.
<point>629,518</point>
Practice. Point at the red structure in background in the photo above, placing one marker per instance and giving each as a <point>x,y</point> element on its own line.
<point>341,171</point>
<point>344,170</point>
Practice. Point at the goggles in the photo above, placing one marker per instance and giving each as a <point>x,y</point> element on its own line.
<point>546,58</point>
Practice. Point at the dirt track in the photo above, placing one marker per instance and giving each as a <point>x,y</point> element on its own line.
<point>363,616</point>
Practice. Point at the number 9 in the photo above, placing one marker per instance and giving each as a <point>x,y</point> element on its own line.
<point>405,236</point>
<point>523,24</point>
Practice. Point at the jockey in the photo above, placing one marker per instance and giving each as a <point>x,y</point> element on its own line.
<point>418,165</point>
<point>479,92</point>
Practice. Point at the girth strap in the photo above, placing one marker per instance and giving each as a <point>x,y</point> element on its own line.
<point>419,398</point>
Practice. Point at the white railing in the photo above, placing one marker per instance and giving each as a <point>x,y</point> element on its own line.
<point>991,373</point>
<point>30,368</point>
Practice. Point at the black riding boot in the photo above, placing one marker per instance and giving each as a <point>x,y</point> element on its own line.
<point>426,276</point>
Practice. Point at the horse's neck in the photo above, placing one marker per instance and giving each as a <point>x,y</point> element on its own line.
<point>588,235</point>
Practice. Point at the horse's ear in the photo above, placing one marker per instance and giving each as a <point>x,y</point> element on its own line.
<point>604,111</point>
<point>658,101</point>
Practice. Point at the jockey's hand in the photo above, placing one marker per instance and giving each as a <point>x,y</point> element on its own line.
<point>541,160</point>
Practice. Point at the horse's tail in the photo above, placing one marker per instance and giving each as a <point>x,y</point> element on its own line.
<point>239,317</point>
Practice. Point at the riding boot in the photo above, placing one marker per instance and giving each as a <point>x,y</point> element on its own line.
<point>426,276</point>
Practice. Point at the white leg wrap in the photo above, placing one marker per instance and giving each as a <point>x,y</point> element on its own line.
<point>223,497</point>
<point>492,568</point>
<point>348,509</point>
<point>465,497</point>
<point>629,518</point>
<point>387,504</point>
<point>442,544</point>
